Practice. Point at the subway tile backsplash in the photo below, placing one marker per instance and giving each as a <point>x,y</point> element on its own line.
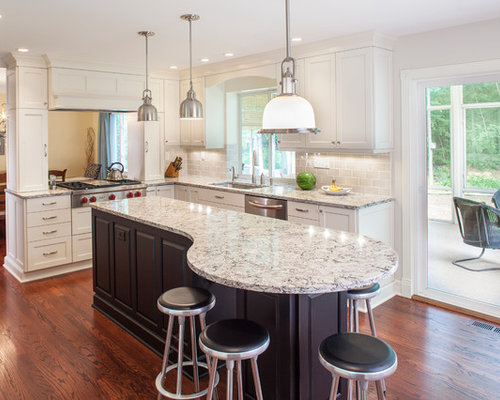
<point>364,173</point>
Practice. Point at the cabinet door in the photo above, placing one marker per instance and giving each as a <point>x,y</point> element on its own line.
<point>339,219</point>
<point>354,82</point>
<point>181,193</point>
<point>32,149</point>
<point>166,191</point>
<point>320,92</point>
<point>32,89</point>
<point>11,90</point>
<point>293,141</point>
<point>153,150</point>
<point>171,105</point>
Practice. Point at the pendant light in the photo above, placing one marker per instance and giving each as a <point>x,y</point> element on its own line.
<point>288,112</point>
<point>191,107</point>
<point>147,111</point>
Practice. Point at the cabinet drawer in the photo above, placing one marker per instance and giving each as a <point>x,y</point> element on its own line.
<point>48,217</point>
<point>82,247</point>
<point>82,220</point>
<point>47,203</point>
<point>220,197</point>
<point>49,232</point>
<point>49,253</point>
<point>165,191</point>
<point>303,210</point>
<point>304,221</point>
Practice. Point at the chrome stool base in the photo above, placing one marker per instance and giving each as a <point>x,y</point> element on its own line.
<point>170,395</point>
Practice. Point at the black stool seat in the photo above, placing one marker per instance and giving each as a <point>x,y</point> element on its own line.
<point>357,352</point>
<point>186,298</point>
<point>234,336</point>
<point>365,290</point>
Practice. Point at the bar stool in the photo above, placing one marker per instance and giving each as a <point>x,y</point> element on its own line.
<point>359,357</point>
<point>353,296</point>
<point>234,340</point>
<point>181,303</point>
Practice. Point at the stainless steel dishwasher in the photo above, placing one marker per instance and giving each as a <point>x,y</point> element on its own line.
<point>266,207</point>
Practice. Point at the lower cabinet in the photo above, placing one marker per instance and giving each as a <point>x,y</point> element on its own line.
<point>134,264</point>
<point>162,191</point>
<point>49,253</point>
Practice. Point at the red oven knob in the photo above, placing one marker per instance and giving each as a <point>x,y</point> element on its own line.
<point>93,199</point>
<point>130,195</point>
<point>84,200</point>
<point>112,197</point>
<point>137,194</point>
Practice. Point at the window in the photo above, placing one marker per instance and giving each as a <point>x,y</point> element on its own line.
<point>252,106</point>
<point>118,140</point>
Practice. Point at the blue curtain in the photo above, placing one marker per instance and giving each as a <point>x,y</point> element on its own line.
<point>107,141</point>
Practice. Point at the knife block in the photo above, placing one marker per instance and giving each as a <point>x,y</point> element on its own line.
<point>171,172</point>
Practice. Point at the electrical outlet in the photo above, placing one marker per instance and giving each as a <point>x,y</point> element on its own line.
<point>320,162</point>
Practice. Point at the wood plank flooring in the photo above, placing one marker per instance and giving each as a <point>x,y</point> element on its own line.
<point>54,345</point>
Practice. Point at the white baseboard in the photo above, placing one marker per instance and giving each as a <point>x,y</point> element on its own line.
<point>23,277</point>
<point>387,291</point>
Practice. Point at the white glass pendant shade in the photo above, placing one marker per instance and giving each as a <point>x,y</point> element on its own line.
<point>288,114</point>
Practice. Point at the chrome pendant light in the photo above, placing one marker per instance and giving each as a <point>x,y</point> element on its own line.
<point>191,107</point>
<point>288,112</point>
<point>147,111</point>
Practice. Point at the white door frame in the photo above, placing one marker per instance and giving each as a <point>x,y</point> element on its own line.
<point>414,179</point>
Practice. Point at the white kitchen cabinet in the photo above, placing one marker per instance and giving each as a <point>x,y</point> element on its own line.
<point>193,130</point>
<point>364,99</point>
<point>81,220</point>
<point>161,190</point>
<point>222,199</point>
<point>188,193</point>
<point>375,221</point>
<point>157,87</point>
<point>82,247</point>
<point>27,88</point>
<point>27,149</point>
<point>171,121</point>
<point>303,213</point>
<point>319,85</point>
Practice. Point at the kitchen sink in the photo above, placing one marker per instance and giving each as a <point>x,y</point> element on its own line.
<point>238,185</point>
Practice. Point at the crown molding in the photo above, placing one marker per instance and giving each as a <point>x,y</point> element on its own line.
<point>13,60</point>
<point>332,45</point>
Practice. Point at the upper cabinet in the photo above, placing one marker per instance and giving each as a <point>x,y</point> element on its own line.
<point>172,122</point>
<point>27,88</point>
<point>351,94</point>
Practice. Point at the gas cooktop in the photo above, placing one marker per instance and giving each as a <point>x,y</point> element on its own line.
<point>95,184</point>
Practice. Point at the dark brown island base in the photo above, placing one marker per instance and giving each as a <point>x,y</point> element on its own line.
<point>135,261</point>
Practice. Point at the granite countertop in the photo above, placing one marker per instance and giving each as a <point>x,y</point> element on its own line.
<point>352,200</point>
<point>263,254</point>
<point>40,193</point>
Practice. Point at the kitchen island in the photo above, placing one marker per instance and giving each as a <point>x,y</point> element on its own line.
<point>288,277</point>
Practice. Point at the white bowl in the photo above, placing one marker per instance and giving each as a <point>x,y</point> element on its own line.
<point>341,192</point>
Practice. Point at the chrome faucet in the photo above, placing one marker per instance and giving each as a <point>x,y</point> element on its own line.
<point>262,178</point>
<point>233,174</point>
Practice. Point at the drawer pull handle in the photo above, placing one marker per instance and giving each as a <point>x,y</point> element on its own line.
<point>52,203</point>
<point>266,206</point>
<point>50,253</point>
<point>47,218</point>
<point>219,197</point>
<point>49,232</point>
<point>302,210</point>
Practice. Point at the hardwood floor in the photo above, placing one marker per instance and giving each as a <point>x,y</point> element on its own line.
<point>53,345</point>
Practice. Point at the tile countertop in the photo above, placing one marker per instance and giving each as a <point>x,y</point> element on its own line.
<point>263,254</point>
<point>40,193</point>
<point>352,200</point>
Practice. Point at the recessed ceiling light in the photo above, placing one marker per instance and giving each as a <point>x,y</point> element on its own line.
<point>173,67</point>
<point>205,60</point>
<point>229,54</point>
<point>296,39</point>
<point>22,50</point>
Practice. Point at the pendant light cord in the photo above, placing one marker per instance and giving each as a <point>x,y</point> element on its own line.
<point>147,65</point>
<point>287,21</point>
<point>190,56</point>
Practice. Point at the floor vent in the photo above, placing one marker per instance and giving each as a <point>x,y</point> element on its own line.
<point>482,325</point>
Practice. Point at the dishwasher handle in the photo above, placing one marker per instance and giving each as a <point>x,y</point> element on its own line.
<point>266,206</point>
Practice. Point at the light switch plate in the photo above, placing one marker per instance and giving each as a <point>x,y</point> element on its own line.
<point>320,162</point>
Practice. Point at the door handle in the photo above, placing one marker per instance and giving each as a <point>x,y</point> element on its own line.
<point>45,150</point>
<point>147,146</point>
<point>266,206</point>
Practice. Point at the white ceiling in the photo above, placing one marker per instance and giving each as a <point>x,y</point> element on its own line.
<point>104,31</point>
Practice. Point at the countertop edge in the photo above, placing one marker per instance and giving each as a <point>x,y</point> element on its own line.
<point>40,193</point>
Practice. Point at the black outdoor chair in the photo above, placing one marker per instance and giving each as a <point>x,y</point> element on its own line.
<point>479,226</point>
<point>496,199</point>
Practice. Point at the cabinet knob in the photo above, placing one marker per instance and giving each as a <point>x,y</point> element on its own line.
<point>338,142</point>
<point>166,141</point>
<point>334,142</point>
